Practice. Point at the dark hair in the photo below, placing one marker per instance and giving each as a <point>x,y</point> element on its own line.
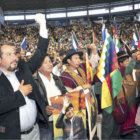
<point>69,58</point>
<point>89,51</point>
<point>45,57</point>
<point>121,60</point>
<point>122,56</point>
<point>62,52</point>
<point>70,105</point>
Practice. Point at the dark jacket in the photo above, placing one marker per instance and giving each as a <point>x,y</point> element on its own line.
<point>10,101</point>
<point>43,93</point>
<point>79,132</point>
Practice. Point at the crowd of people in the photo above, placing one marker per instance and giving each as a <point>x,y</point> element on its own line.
<point>64,34</point>
<point>29,78</point>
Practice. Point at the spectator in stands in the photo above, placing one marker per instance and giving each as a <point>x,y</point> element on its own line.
<point>83,34</point>
<point>111,128</point>
<point>59,68</point>
<point>49,85</point>
<point>20,101</point>
<point>74,77</point>
<point>130,83</point>
<point>28,55</point>
<point>94,57</point>
<point>110,124</point>
<point>23,54</point>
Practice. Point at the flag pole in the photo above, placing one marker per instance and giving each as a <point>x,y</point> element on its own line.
<point>23,40</point>
<point>75,36</point>
<point>137,34</point>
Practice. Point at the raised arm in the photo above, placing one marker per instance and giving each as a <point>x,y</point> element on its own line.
<point>38,57</point>
<point>131,64</point>
<point>60,121</point>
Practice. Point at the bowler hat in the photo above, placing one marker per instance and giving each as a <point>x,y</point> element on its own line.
<point>62,52</point>
<point>70,53</point>
<point>122,54</point>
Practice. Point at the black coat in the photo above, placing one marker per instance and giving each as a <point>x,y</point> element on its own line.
<point>43,93</point>
<point>10,101</point>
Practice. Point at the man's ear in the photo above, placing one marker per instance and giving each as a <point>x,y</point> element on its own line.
<point>121,63</point>
<point>68,60</point>
<point>0,60</point>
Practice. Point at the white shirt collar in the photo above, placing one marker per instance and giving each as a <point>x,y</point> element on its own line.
<point>6,74</point>
<point>42,75</point>
<point>71,119</point>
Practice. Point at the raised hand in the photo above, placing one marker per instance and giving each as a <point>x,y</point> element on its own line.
<point>40,19</point>
<point>65,103</point>
<point>134,56</point>
<point>25,89</point>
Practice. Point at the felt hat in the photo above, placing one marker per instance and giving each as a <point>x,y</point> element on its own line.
<point>70,53</point>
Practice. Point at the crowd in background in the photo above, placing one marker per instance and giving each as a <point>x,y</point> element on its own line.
<point>64,34</point>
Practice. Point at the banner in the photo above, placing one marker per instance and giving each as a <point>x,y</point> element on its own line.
<point>78,100</point>
<point>92,110</point>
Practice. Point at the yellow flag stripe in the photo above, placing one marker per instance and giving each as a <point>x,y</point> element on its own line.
<point>106,99</point>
